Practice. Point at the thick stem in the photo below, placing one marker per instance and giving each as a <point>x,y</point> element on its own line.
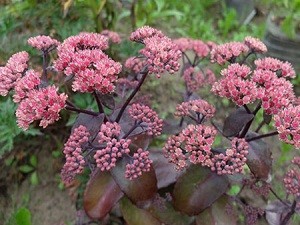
<point>262,136</point>
<point>260,126</point>
<point>81,111</point>
<point>131,129</point>
<point>188,59</point>
<point>100,107</point>
<point>132,15</point>
<point>145,73</point>
<point>290,214</point>
<point>248,125</point>
<point>274,193</point>
<point>45,65</point>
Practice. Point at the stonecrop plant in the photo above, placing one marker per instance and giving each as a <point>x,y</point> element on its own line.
<point>189,179</point>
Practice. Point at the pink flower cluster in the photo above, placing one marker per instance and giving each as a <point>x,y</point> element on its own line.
<point>141,163</point>
<point>31,80</point>
<point>285,69</point>
<point>228,52</point>
<point>233,160</point>
<point>160,51</point>
<point>197,107</point>
<point>106,157</point>
<point>195,141</point>
<point>135,64</point>
<point>112,36</point>
<point>44,104</point>
<point>12,71</point>
<point>255,44</point>
<point>147,117</point>
<point>73,153</point>
<point>287,122</point>
<point>292,178</point>
<point>195,80</point>
<point>145,32</point>
<point>199,47</point>
<point>43,43</point>
<point>235,86</point>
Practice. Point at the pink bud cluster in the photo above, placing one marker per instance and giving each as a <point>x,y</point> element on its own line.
<point>292,178</point>
<point>194,141</point>
<point>195,80</point>
<point>12,71</point>
<point>199,47</point>
<point>31,80</point>
<point>106,157</point>
<point>259,187</point>
<point>141,163</point>
<point>287,122</point>
<point>255,44</point>
<point>114,37</point>
<point>147,116</point>
<point>192,107</point>
<point>161,53</point>
<point>44,104</point>
<point>252,214</point>
<point>233,160</point>
<point>135,64</point>
<point>235,86</point>
<point>228,52</point>
<point>43,43</point>
<point>73,153</point>
<point>285,69</point>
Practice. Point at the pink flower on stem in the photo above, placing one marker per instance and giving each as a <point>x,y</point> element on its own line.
<point>84,41</point>
<point>285,69</point>
<point>114,37</point>
<point>277,95</point>
<point>24,85</point>
<point>255,44</point>
<point>199,47</point>
<point>107,157</point>
<point>184,44</point>
<point>135,64</point>
<point>292,178</point>
<point>12,71</point>
<point>147,117</point>
<point>195,107</point>
<point>233,160</point>
<point>145,32</point>
<point>42,42</point>
<point>73,153</point>
<point>44,105</point>
<point>264,77</point>
<point>287,122</point>
<point>162,55</point>
<point>237,70</point>
<point>228,52</point>
<point>193,79</point>
<point>141,163</point>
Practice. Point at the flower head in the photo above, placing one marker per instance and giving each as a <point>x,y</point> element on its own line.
<point>42,42</point>
<point>287,122</point>
<point>195,107</point>
<point>73,153</point>
<point>140,163</point>
<point>147,117</point>
<point>228,52</point>
<point>237,70</point>
<point>114,37</point>
<point>44,105</point>
<point>145,32</point>
<point>255,44</point>
<point>12,71</point>
<point>292,178</point>
<point>135,64</point>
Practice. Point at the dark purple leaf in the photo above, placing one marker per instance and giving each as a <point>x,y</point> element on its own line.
<point>164,212</point>
<point>275,211</point>
<point>235,122</point>
<point>166,173</point>
<point>197,189</point>
<point>101,194</point>
<point>259,158</point>
<point>171,127</point>
<point>136,216</point>
<point>217,214</point>
<point>139,141</point>
<point>138,190</point>
<point>107,100</point>
<point>92,123</point>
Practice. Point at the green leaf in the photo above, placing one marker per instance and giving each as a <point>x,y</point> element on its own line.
<point>234,190</point>
<point>26,168</point>
<point>136,216</point>
<point>198,189</point>
<point>23,216</point>
<point>33,161</point>
<point>101,194</point>
<point>34,180</point>
<point>288,26</point>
